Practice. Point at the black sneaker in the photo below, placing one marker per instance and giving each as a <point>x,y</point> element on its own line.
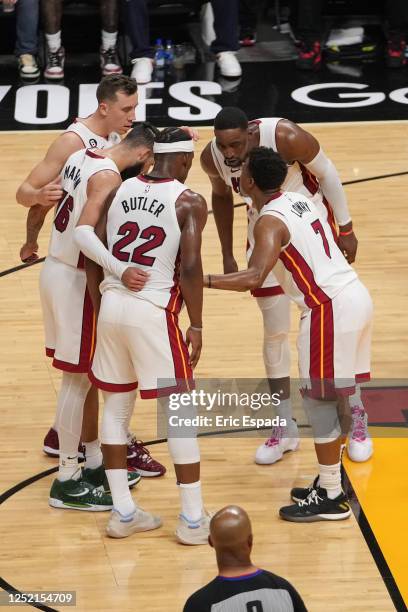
<point>317,507</point>
<point>54,69</point>
<point>110,63</point>
<point>309,55</point>
<point>298,494</point>
<point>395,53</point>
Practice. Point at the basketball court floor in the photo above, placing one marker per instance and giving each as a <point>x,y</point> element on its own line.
<point>356,565</point>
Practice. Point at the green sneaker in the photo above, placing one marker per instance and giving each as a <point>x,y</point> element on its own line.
<point>79,495</point>
<point>97,478</point>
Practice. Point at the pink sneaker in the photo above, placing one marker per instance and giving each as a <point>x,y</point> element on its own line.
<point>139,459</point>
<point>51,445</point>
<point>274,447</point>
<point>359,444</point>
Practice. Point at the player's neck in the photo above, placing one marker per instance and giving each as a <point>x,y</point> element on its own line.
<point>163,170</point>
<point>261,199</point>
<point>97,124</point>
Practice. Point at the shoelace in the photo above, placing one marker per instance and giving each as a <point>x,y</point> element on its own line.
<point>359,432</point>
<point>312,498</point>
<point>110,56</point>
<point>54,59</point>
<point>141,450</point>
<point>275,437</point>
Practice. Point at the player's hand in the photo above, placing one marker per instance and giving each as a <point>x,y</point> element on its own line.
<point>195,339</point>
<point>230,265</point>
<point>348,246</point>
<point>134,278</point>
<point>194,135</point>
<point>29,252</point>
<point>50,194</point>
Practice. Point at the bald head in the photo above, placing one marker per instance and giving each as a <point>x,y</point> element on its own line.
<point>230,529</point>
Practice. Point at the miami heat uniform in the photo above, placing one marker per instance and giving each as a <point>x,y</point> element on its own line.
<point>139,340</point>
<point>299,179</point>
<point>67,307</point>
<point>335,327</point>
<point>90,139</point>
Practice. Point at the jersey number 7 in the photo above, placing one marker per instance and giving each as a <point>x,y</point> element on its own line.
<point>318,228</point>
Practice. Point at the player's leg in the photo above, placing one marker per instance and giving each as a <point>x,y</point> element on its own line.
<point>324,500</point>
<point>113,372</point>
<point>110,63</point>
<point>276,352</point>
<point>52,17</point>
<point>360,445</point>
<point>162,364</point>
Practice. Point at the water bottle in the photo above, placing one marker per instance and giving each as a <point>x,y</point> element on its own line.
<point>160,54</point>
<point>169,52</point>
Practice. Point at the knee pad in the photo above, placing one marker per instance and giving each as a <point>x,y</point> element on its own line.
<point>184,450</point>
<point>276,319</point>
<point>117,411</point>
<point>323,418</point>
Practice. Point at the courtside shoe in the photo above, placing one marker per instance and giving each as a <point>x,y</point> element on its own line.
<point>123,526</point>
<point>359,445</point>
<point>193,533</point>
<point>317,507</point>
<point>301,493</point>
<point>79,495</point>
<point>97,478</point>
<point>51,445</point>
<point>273,449</point>
<point>140,459</point>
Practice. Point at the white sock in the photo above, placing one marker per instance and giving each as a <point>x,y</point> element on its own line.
<point>68,467</point>
<point>191,500</point>
<point>284,411</point>
<point>330,479</point>
<point>109,40</point>
<point>93,454</point>
<point>53,41</point>
<point>122,499</point>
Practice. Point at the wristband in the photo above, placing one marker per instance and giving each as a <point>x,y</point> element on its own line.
<point>346,233</point>
<point>198,329</point>
<point>209,281</point>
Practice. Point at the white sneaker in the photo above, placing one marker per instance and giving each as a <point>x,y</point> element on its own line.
<point>359,444</point>
<point>193,533</point>
<point>28,67</point>
<point>54,68</point>
<point>272,450</point>
<point>228,64</point>
<point>122,527</point>
<point>142,70</point>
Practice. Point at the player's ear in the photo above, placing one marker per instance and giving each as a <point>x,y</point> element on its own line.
<point>210,542</point>
<point>103,108</point>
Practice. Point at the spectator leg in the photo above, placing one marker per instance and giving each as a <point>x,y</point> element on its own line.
<point>110,15</point>
<point>137,28</point>
<point>52,15</point>
<point>27,15</point>
<point>225,25</point>
<point>309,20</point>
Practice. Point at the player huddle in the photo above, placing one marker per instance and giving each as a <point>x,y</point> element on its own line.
<point>125,255</point>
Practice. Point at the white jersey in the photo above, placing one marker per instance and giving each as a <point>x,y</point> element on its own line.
<point>143,230</point>
<point>298,179</point>
<point>90,139</point>
<point>77,171</point>
<point>311,268</point>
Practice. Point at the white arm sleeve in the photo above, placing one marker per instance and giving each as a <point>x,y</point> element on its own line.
<point>94,249</point>
<point>323,168</point>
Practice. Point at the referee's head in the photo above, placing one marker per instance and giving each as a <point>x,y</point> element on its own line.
<point>231,536</point>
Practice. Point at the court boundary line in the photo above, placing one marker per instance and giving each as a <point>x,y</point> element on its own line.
<point>22,266</point>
